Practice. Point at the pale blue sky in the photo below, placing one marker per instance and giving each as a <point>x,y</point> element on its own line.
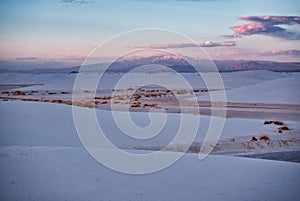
<point>52,29</point>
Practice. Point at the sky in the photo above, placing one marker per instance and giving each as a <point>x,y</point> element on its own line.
<point>67,30</point>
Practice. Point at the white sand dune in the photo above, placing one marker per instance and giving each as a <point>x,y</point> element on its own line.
<point>41,158</point>
<point>62,173</point>
<point>277,91</point>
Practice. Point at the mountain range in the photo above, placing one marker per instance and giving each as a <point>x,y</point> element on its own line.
<point>174,62</point>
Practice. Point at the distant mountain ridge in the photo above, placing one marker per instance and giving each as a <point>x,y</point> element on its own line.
<point>174,62</point>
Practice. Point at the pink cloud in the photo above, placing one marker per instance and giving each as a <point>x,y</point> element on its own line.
<point>268,25</point>
<point>226,54</point>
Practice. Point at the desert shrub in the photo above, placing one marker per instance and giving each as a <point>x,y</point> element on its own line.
<point>264,137</point>
<point>57,101</point>
<point>121,98</point>
<point>153,105</point>
<point>106,98</point>
<point>279,123</point>
<point>18,93</point>
<point>136,104</point>
<point>68,102</point>
<point>283,128</point>
<point>136,96</point>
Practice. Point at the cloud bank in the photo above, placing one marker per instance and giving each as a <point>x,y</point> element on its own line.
<point>268,25</point>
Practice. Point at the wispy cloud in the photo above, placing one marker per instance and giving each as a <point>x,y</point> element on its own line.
<point>276,52</point>
<point>28,58</point>
<point>231,36</point>
<point>80,2</point>
<point>187,45</point>
<point>268,25</point>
